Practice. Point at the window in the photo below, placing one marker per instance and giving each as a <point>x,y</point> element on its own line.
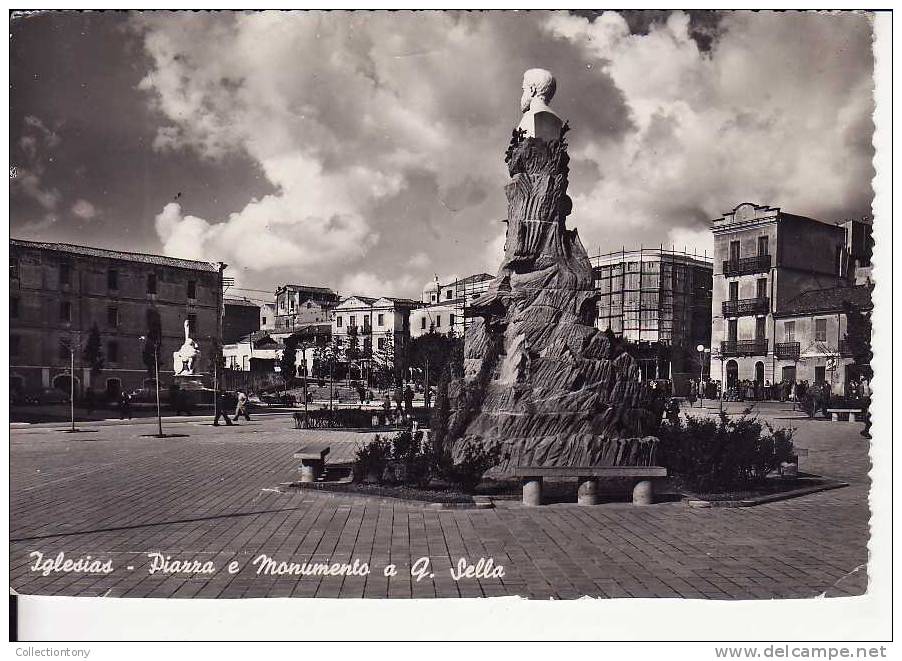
<point>112,279</point>
<point>762,246</point>
<point>789,331</point>
<point>65,311</point>
<point>734,251</point>
<point>112,317</point>
<point>820,374</point>
<point>14,345</point>
<point>13,307</point>
<point>734,291</point>
<point>438,321</point>
<point>449,294</point>
<point>192,289</point>
<point>380,343</point>
<point>423,323</point>
<point>13,268</point>
<point>262,321</point>
<point>152,283</point>
<point>731,330</point>
<point>352,321</point>
<point>433,298</point>
<point>338,321</point>
<point>759,327</point>
<point>112,352</point>
<point>762,288</point>
<point>451,321</point>
<point>192,324</point>
<point>65,273</point>
<point>380,320</point>
<point>820,330</point>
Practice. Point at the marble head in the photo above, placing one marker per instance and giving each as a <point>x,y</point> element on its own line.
<point>537,83</point>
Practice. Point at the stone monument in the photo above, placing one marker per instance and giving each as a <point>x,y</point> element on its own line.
<point>538,378</point>
<point>185,359</point>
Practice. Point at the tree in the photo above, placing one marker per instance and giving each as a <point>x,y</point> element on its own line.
<point>353,350</point>
<point>436,350</point>
<point>384,359</point>
<point>216,360</point>
<point>153,340</point>
<point>93,353</point>
<point>288,361</point>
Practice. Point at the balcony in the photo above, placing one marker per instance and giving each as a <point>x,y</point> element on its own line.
<point>745,306</point>
<point>744,347</point>
<point>746,265</point>
<point>787,350</point>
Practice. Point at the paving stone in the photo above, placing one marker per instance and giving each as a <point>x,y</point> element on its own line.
<point>210,496</point>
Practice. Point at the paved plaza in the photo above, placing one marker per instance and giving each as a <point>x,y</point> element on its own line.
<point>117,495</point>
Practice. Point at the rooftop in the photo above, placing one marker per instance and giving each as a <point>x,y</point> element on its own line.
<point>89,251</point>
<point>307,288</point>
<point>833,299</point>
<point>240,301</point>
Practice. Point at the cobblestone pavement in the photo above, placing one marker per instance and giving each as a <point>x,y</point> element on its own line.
<point>116,495</point>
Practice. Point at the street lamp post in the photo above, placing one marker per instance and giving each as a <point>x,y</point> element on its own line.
<point>702,350</point>
<point>156,379</point>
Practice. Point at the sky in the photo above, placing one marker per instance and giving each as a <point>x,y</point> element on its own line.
<point>364,151</point>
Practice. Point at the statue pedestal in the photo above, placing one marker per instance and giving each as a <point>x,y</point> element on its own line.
<point>543,124</point>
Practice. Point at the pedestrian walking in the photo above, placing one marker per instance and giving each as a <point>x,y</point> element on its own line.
<point>241,407</point>
<point>408,399</point>
<point>125,406</point>
<point>221,410</point>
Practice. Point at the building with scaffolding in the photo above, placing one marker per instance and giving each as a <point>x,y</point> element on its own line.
<point>445,306</point>
<point>660,300</point>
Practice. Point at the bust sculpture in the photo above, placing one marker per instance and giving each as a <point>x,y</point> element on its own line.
<point>539,120</point>
<point>185,358</point>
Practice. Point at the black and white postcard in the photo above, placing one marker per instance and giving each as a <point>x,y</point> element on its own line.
<point>518,307</point>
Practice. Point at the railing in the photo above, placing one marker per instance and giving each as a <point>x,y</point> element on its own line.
<point>738,307</point>
<point>744,348</point>
<point>787,350</point>
<point>746,265</point>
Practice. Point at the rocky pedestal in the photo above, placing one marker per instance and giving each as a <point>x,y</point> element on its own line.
<point>539,378</point>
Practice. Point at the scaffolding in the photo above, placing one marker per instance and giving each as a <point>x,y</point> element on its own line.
<point>655,295</point>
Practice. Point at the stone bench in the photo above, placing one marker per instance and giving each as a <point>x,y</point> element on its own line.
<point>588,476</point>
<point>851,413</point>
<point>313,461</point>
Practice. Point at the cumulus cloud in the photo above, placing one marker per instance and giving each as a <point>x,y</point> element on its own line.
<point>382,134</point>
<point>84,209</point>
<point>778,111</point>
<point>36,148</point>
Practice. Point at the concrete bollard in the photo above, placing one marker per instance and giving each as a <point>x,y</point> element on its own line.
<point>644,493</point>
<point>532,491</point>
<point>308,473</point>
<point>587,493</point>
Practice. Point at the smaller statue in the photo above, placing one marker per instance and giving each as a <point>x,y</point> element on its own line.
<point>186,357</point>
<point>539,120</point>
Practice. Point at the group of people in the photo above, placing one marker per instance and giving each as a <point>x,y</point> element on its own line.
<point>225,402</point>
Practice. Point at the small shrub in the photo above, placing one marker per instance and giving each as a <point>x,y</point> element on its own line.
<point>475,460</point>
<point>707,454</point>
<point>371,459</point>
<point>412,458</point>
